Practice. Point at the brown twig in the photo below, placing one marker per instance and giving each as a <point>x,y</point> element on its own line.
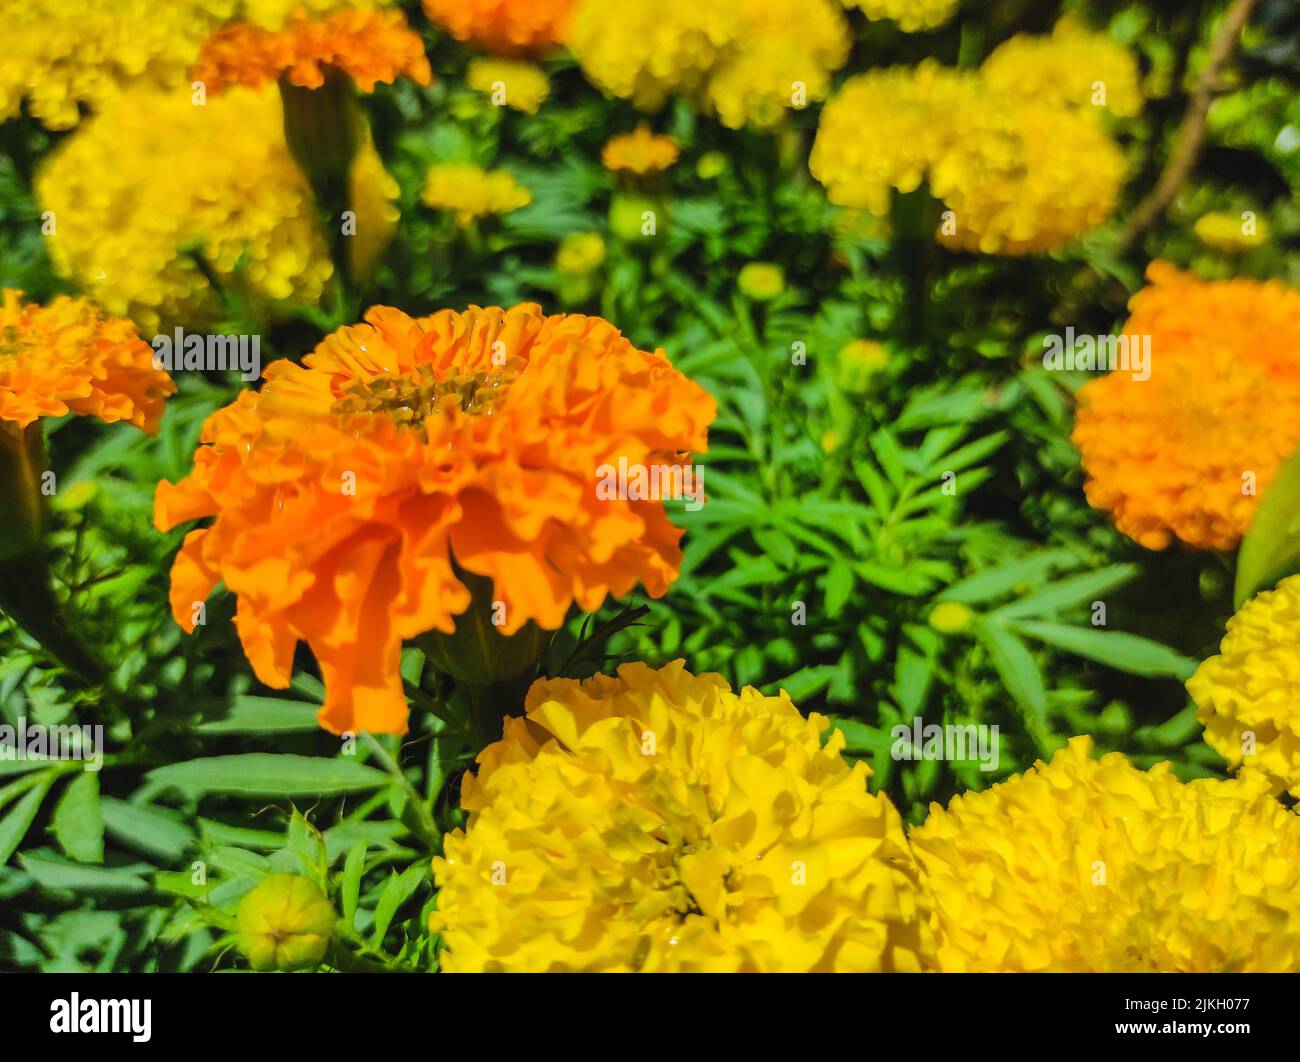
<point>1191,131</point>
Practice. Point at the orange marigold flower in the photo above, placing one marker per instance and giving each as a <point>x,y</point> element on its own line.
<point>344,489</point>
<point>367,45</point>
<point>68,357</point>
<point>504,27</point>
<point>641,152</point>
<point>1185,452</point>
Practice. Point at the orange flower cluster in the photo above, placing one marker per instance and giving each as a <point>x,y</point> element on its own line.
<point>641,152</point>
<point>343,490</point>
<point>504,27</point>
<point>1186,452</point>
<point>368,45</point>
<point>68,357</point>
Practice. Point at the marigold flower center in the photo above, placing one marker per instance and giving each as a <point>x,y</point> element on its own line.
<point>411,397</point>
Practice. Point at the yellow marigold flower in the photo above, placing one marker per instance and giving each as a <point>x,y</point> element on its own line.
<point>342,490</point>
<point>60,54</point>
<point>368,45</point>
<point>1186,452</point>
<point>911,15</point>
<point>273,14</point>
<point>580,252</point>
<point>1007,167</point>
<point>641,152</point>
<point>783,58</point>
<point>653,48</point>
<point>1015,182</point>
<point>285,923</point>
<point>68,357</point>
<point>1092,865</point>
<point>471,192</point>
<point>750,60</point>
<point>1231,232</point>
<point>1245,696</point>
<point>505,27</point>
<point>884,129</point>
<point>227,189</point>
<point>657,821</point>
<point>1072,67</point>
<point>522,86</point>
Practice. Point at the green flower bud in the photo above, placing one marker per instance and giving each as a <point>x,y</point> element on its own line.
<point>285,923</point>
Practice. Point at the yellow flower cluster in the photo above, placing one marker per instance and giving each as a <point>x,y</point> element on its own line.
<point>1093,865</point>
<point>143,188</point>
<point>60,54</point>
<point>471,192</point>
<point>1072,67</point>
<point>750,60</point>
<point>911,15</point>
<point>522,86</point>
<point>1022,169</point>
<point>1246,695</point>
<point>658,821</point>
<point>273,14</point>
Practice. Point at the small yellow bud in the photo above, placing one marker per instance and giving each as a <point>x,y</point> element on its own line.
<point>951,618</point>
<point>580,252</point>
<point>761,281</point>
<point>710,165</point>
<point>285,923</point>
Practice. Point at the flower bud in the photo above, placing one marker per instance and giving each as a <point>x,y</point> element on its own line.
<point>761,281</point>
<point>285,923</point>
<point>951,618</point>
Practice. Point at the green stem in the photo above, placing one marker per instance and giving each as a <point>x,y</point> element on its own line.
<point>424,825</point>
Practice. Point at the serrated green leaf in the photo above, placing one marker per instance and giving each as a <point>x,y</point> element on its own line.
<point>15,824</point>
<point>350,884</point>
<point>78,822</point>
<point>1116,649</point>
<point>1019,673</point>
<point>260,774</point>
<point>264,715</point>
<point>153,831</point>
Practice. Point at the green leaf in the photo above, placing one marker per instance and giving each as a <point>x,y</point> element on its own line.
<point>1087,586</point>
<point>839,587</point>
<point>1271,548</point>
<point>994,582</point>
<point>264,715</point>
<point>397,890</point>
<point>52,873</point>
<point>79,819</point>
<point>1124,652</point>
<point>152,831</point>
<point>1015,665</point>
<point>807,681</point>
<point>14,826</point>
<point>260,774</point>
<point>353,867</point>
